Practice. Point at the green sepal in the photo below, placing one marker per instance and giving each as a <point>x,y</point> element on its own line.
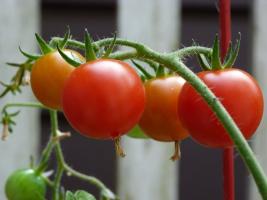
<point>89,50</point>
<point>152,64</point>
<point>160,71</point>
<point>215,58</point>
<point>69,60</point>
<point>65,40</point>
<point>203,62</point>
<point>110,47</point>
<point>13,64</point>
<point>228,53</point>
<point>233,55</point>
<point>44,47</point>
<point>30,56</point>
<point>142,69</point>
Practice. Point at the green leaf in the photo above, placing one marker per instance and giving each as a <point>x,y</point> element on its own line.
<point>44,47</point>
<point>30,56</point>
<point>70,196</point>
<point>83,195</point>
<point>68,59</point>
<point>64,42</point>
<point>215,59</point>
<point>142,70</point>
<point>89,50</point>
<point>110,47</point>
<point>232,58</point>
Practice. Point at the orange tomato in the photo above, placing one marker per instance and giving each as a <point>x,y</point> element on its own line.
<point>48,76</point>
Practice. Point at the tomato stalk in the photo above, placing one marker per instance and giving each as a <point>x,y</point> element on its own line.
<point>173,62</point>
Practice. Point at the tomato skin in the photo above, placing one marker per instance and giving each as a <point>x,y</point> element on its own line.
<point>24,184</point>
<point>103,99</point>
<point>160,120</point>
<point>238,92</point>
<point>48,76</point>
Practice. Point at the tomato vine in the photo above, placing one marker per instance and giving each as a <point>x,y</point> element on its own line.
<point>171,61</point>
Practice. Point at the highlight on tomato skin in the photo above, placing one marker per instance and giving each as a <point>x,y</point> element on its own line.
<point>24,184</point>
<point>103,99</point>
<point>160,120</point>
<point>240,94</point>
<point>48,76</point>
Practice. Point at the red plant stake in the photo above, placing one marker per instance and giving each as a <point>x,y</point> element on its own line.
<point>228,153</point>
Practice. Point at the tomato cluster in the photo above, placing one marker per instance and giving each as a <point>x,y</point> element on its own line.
<point>105,98</point>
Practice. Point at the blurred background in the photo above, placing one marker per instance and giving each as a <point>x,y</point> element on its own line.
<point>165,25</point>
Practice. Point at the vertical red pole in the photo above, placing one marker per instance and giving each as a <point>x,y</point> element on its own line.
<point>228,158</point>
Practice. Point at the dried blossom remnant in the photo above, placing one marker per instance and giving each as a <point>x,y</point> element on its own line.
<point>26,79</point>
<point>5,132</point>
<point>61,135</point>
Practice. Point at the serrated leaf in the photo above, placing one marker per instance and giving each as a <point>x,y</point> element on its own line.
<point>69,196</point>
<point>83,195</point>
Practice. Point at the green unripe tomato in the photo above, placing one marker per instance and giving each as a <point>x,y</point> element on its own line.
<point>24,184</point>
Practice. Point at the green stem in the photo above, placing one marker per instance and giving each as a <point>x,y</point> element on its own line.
<point>45,157</point>
<point>187,51</point>
<point>25,104</point>
<point>227,121</point>
<point>89,179</point>
<point>172,61</point>
<point>59,155</point>
<point>63,166</point>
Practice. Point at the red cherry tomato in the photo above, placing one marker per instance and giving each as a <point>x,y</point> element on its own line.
<point>238,92</point>
<point>160,120</point>
<point>48,76</point>
<point>103,99</point>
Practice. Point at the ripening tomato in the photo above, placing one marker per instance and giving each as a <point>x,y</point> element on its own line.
<point>48,76</point>
<point>238,92</point>
<point>103,98</point>
<point>25,184</point>
<point>160,120</point>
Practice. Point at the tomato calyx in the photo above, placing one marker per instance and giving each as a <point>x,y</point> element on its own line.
<point>214,62</point>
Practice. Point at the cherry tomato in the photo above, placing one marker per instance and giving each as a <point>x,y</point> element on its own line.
<point>103,99</point>
<point>238,92</point>
<point>25,185</point>
<point>160,120</point>
<point>48,76</point>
